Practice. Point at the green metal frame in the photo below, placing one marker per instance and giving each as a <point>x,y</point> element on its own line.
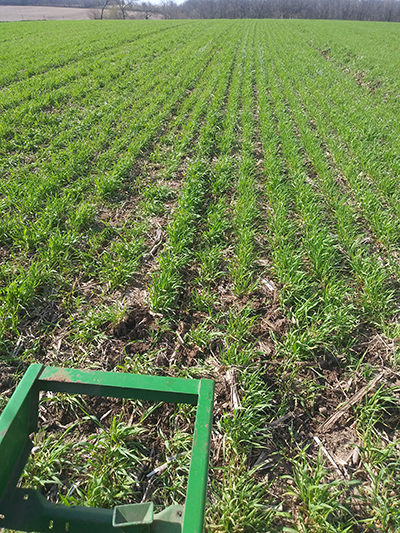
<point>27,510</point>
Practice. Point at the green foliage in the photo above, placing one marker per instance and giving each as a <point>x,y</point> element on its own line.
<point>99,469</point>
<point>322,504</point>
<point>234,186</point>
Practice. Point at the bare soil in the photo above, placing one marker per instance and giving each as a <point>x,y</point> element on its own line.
<point>18,13</point>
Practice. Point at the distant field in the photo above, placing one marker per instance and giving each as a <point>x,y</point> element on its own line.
<point>209,199</point>
<point>16,13</point>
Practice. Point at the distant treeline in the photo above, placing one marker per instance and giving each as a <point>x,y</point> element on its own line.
<point>379,10</point>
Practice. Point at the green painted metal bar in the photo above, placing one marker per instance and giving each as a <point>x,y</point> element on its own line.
<point>193,520</point>
<point>27,510</point>
<point>118,385</point>
<point>18,420</point>
<point>30,511</point>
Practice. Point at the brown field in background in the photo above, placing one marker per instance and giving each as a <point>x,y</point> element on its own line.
<point>15,13</point>
<point>19,13</point>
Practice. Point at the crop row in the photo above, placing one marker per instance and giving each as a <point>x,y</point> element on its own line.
<point>46,201</point>
<point>211,199</point>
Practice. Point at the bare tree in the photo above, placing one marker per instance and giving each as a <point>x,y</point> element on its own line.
<point>385,10</point>
<point>123,6</point>
<point>170,10</point>
<point>103,7</point>
<point>388,10</point>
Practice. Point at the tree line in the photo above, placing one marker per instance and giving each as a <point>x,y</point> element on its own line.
<point>378,10</point>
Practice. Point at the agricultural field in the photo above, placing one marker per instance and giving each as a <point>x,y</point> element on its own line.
<point>212,199</point>
<point>24,13</point>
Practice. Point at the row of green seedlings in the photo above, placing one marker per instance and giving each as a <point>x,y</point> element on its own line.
<point>43,49</point>
<point>215,234</point>
<point>119,264</point>
<point>213,249</point>
<point>177,479</point>
<point>240,499</point>
<point>364,49</point>
<point>178,141</point>
<point>246,211</point>
<point>219,264</point>
<point>63,246</point>
<point>321,302</point>
<point>93,132</point>
<point>167,281</point>
<point>102,106</point>
<point>40,90</point>
<point>182,132</point>
<point>367,152</point>
<point>289,266</point>
<point>214,252</point>
<point>369,271</point>
<point>379,210</point>
<point>328,502</point>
